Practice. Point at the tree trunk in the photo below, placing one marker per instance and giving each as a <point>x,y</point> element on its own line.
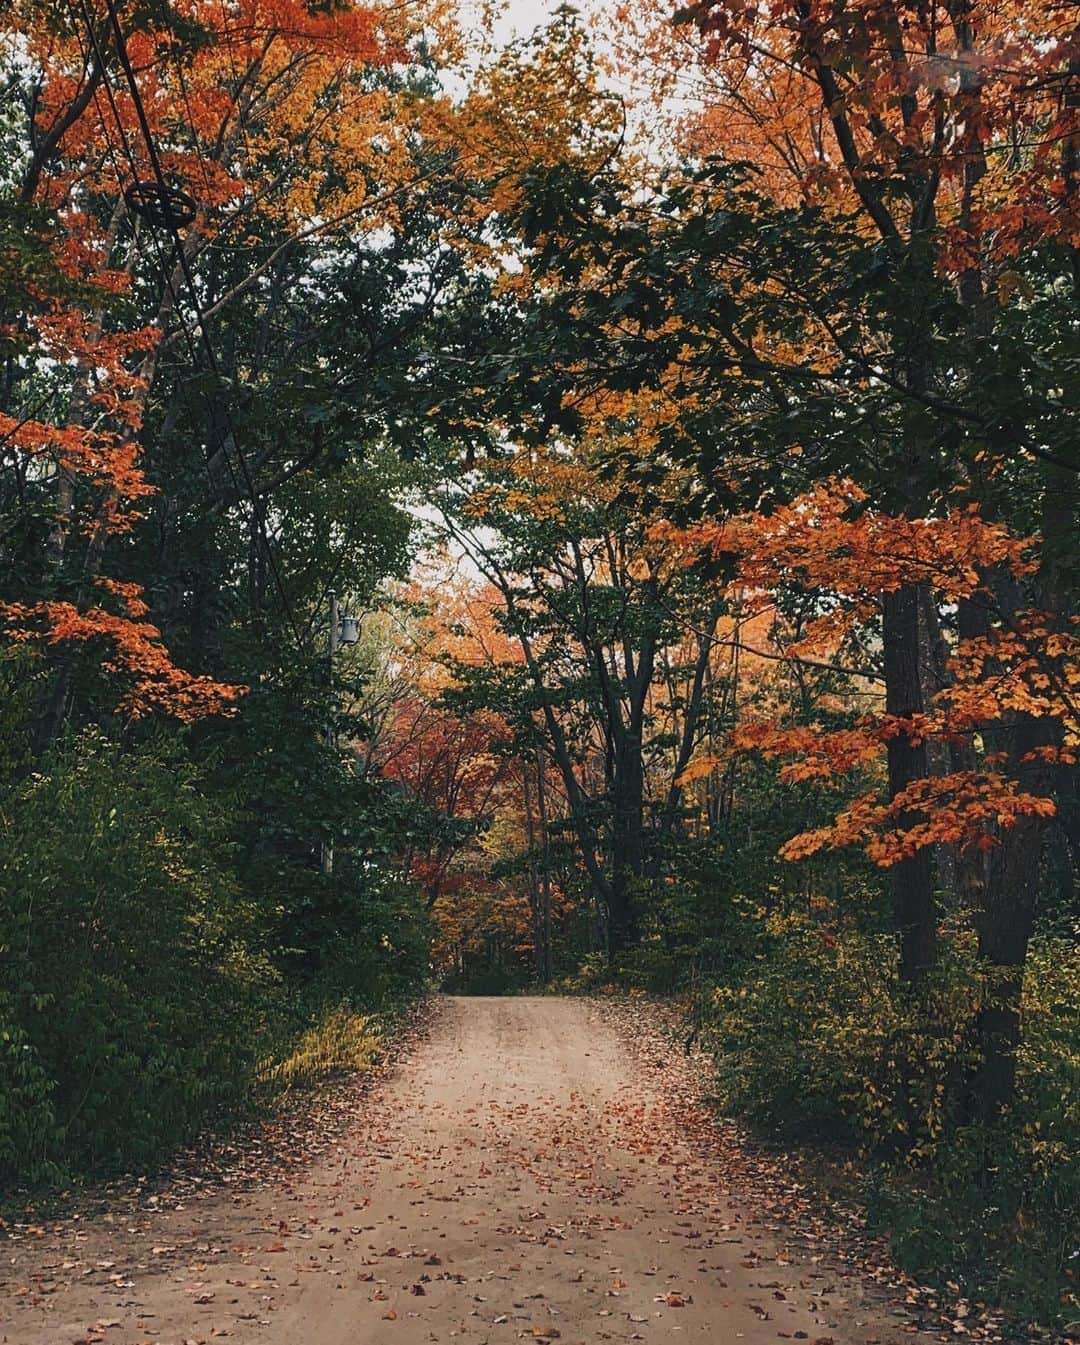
<point>1005,926</point>
<point>535,902</point>
<point>545,868</point>
<point>1006,919</point>
<point>912,878</point>
<point>628,842</point>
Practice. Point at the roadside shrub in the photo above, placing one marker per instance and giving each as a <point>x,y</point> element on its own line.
<point>28,1127</point>
<point>592,975</point>
<point>484,981</point>
<point>1001,1208</point>
<point>816,1038</point>
<point>149,980</point>
<point>129,991</point>
<point>1050,1077</point>
<point>378,952</point>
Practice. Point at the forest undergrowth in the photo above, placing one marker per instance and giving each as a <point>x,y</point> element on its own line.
<point>812,1047</point>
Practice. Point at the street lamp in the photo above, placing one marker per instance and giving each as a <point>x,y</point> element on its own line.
<point>344,630</point>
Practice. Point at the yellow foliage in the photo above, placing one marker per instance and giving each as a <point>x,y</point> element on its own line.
<point>341,1040</point>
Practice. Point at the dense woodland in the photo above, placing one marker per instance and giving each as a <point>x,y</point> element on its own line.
<point>678,415</point>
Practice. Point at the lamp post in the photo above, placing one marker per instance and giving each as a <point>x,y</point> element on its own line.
<point>344,630</point>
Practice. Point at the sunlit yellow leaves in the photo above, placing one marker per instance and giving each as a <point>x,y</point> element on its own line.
<point>699,769</point>
<point>540,102</point>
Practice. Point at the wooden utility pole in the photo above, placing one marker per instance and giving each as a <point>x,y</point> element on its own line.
<point>326,849</point>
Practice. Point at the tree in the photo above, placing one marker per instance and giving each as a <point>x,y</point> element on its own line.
<point>788,335</point>
<point>953,131</point>
<point>601,673</point>
<point>254,131</point>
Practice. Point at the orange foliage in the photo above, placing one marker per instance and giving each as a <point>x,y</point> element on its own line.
<point>828,543</point>
<point>453,764</point>
<point>154,683</point>
<point>448,761</point>
<point>272,116</point>
<point>911,113</point>
<point>828,539</point>
<point>964,808</point>
<point>1029,667</point>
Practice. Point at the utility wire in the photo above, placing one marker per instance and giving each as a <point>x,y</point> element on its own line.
<point>137,234</point>
<point>189,280</point>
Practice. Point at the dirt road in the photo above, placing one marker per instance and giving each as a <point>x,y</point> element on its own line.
<point>524,1175</point>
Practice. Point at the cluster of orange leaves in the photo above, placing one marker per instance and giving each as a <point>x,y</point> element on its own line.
<point>827,540</point>
<point>154,684</point>
<point>827,543</point>
<point>920,89</point>
<point>964,808</point>
<point>1030,667</point>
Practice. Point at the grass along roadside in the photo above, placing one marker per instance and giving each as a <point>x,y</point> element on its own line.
<point>339,1040</point>
<point>310,1092</point>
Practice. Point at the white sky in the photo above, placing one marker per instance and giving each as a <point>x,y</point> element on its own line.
<point>521,17</point>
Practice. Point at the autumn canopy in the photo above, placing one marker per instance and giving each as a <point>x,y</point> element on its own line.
<point>586,506</point>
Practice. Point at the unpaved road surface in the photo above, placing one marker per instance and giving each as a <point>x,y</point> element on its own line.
<point>522,1174</point>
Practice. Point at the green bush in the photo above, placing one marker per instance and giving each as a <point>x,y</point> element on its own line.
<point>1050,1070</point>
<point>485,981</point>
<point>815,1037</point>
<point>378,952</point>
<point>152,976</point>
<point>129,991</point>
<point>1001,1208</point>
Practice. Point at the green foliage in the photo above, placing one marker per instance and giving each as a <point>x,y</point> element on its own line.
<point>814,1037</point>
<point>382,950</point>
<point>486,981</point>
<point>143,983</point>
<point>28,1124</point>
<point>130,990</point>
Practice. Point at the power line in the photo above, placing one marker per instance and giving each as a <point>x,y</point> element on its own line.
<point>161,262</point>
<point>136,232</point>
<point>166,196</point>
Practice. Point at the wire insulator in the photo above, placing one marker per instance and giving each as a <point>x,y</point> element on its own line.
<point>162,205</point>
